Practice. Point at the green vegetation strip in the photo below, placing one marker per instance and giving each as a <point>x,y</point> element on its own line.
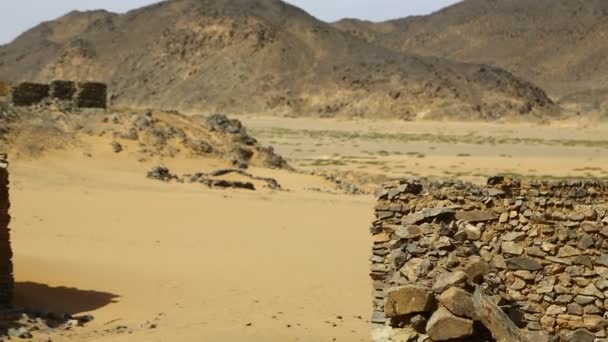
<point>415,137</point>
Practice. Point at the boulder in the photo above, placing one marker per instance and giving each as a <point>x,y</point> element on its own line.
<point>409,299</point>
<point>444,326</point>
<point>458,301</point>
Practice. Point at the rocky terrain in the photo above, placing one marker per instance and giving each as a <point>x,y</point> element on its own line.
<point>31,132</point>
<point>557,44</point>
<point>259,56</point>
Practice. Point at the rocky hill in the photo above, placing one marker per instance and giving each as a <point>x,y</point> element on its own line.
<point>557,44</point>
<point>259,56</point>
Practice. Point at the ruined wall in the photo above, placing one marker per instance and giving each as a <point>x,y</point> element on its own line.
<point>29,94</point>
<point>6,265</point>
<point>539,250</point>
<point>91,95</point>
<point>78,95</point>
<point>63,90</point>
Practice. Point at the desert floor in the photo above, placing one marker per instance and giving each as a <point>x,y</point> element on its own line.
<point>93,235</point>
<point>469,151</point>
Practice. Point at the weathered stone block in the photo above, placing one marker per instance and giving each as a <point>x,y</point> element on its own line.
<point>405,300</point>
<point>444,326</point>
<point>458,301</point>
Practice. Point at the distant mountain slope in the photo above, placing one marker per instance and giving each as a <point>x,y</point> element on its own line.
<point>262,56</point>
<point>560,45</point>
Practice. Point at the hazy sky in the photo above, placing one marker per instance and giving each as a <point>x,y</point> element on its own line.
<point>17,16</point>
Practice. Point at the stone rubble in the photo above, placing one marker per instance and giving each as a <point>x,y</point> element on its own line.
<point>162,173</point>
<point>537,253</point>
<point>341,184</point>
<point>25,325</point>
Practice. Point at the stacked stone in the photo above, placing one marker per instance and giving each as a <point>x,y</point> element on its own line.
<point>539,250</point>
<point>91,95</point>
<point>63,90</point>
<point>29,94</point>
<point>6,265</point>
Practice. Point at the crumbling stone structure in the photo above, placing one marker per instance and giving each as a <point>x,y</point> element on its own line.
<point>63,90</point>
<point>91,95</point>
<point>79,95</point>
<point>509,261</point>
<point>29,94</point>
<point>6,265</point>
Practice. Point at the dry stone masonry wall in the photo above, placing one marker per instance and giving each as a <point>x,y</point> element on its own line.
<point>510,261</point>
<point>29,94</point>
<point>6,265</point>
<point>91,95</point>
<point>63,90</point>
<point>79,95</point>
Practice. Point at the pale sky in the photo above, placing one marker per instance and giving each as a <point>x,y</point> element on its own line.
<point>17,16</point>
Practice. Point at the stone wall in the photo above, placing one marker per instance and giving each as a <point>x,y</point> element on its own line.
<point>91,95</point>
<point>63,90</point>
<point>29,94</point>
<point>78,95</point>
<point>539,250</point>
<point>6,265</point>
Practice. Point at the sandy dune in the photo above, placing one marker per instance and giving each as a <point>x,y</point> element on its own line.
<point>201,264</point>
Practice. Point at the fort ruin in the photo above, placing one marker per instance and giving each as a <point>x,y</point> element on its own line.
<point>536,250</point>
<point>77,94</point>
<point>6,265</point>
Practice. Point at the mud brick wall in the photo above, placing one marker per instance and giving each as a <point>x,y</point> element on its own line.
<point>29,94</point>
<point>63,90</point>
<point>91,95</point>
<point>6,265</point>
<point>538,250</point>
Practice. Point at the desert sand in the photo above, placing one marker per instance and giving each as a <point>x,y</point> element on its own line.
<point>157,261</point>
<point>95,236</point>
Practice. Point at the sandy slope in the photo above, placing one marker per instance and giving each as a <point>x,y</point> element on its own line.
<point>200,263</point>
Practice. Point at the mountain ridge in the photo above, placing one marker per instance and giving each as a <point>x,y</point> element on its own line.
<point>556,44</point>
<point>259,56</point>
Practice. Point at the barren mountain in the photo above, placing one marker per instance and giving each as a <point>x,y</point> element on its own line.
<point>558,44</point>
<point>259,56</point>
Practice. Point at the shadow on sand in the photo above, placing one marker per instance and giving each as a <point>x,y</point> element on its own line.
<point>64,300</point>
